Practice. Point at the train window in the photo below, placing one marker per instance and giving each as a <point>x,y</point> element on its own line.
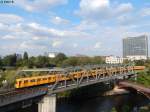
<point>19,83</point>
<point>38,79</point>
<point>26,81</point>
<point>44,78</point>
<point>49,78</point>
<point>33,80</point>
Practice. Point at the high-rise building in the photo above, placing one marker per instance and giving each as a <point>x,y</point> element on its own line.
<point>135,48</point>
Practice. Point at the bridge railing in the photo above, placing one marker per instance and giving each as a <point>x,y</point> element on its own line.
<point>94,74</point>
<point>19,95</point>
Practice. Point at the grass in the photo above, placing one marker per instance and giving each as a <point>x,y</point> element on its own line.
<point>144,79</point>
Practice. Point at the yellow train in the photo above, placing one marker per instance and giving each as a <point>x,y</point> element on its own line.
<point>52,76</point>
<point>61,75</point>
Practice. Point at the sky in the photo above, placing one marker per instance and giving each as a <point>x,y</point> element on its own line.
<point>88,27</point>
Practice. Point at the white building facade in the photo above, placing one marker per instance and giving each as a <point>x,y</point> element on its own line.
<point>51,54</point>
<point>113,60</point>
<point>137,57</point>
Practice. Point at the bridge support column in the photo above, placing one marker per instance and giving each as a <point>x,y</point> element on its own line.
<point>47,104</point>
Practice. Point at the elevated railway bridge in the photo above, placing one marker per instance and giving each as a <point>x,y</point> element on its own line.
<point>44,88</point>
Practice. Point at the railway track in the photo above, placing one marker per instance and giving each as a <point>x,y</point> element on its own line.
<point>14,91</point>
<point>6,90</point>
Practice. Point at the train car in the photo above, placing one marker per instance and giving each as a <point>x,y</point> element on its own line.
<point>51,77</point>
<point>55,75</point>
<point>34,81</point>
<point>139,67</point>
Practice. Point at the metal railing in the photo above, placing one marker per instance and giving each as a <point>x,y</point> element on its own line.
<point>19,95</point>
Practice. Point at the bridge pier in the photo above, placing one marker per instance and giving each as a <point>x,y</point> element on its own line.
<point>47,104</point>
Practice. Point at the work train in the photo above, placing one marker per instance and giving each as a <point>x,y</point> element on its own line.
<point>54,75</point>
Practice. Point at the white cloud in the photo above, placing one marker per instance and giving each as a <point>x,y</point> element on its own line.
<point>8,37</point>
<point>37,32</point>
<point>94,5</point>
<point>42,31</point>
<point>58,20</point>
<point>86,26</point>
<point>10,18</point>
<point>56,43</point>
<point>124,8</point>
<point>126,20</point>
<point>97,45</point>
<point>38,5</point>
<point>145,12</point>
<point>36,38</point>
<point>31,45</point>
<point>75,45</point>
<point>100,10</point>
<point>92,8</point>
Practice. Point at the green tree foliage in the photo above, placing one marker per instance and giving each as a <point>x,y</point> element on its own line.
<point>25,56</point>
<point>147,63</point>
<point>72,61</point>
<point>77,61</point>
<point>31,62</point>
<point>139,62</point>
<point>144,78</point>
<point>113,110</point>
<point>41,61</point>
<point>19,63</point>
<point>126,61</point>
<point>10,60</point>
<point>97,60</point>
<point>1,62</point>
<point>1,78</point>
<point>10,76</point>
<point>59,59</point>
<point>83,60</point>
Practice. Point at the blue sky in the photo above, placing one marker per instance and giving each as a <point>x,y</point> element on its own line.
<point>89,27</point>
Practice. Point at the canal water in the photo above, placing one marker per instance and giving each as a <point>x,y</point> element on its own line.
<point>118,103</point>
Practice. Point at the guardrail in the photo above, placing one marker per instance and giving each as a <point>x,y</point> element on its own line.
<point>20,95</point>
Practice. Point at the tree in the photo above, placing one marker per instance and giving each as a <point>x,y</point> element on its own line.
<point>25,56</point>
<point>139,62</point>
<point>31,62</point>
<point>126,61</point>
<point>42,61</point>
<point>71,61</point>
<point>147,63</point>
<point>83,60</point>
<point>1,62</point>
<point>10,60</point>
<point>60,58</point>
<point>97,60</point>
